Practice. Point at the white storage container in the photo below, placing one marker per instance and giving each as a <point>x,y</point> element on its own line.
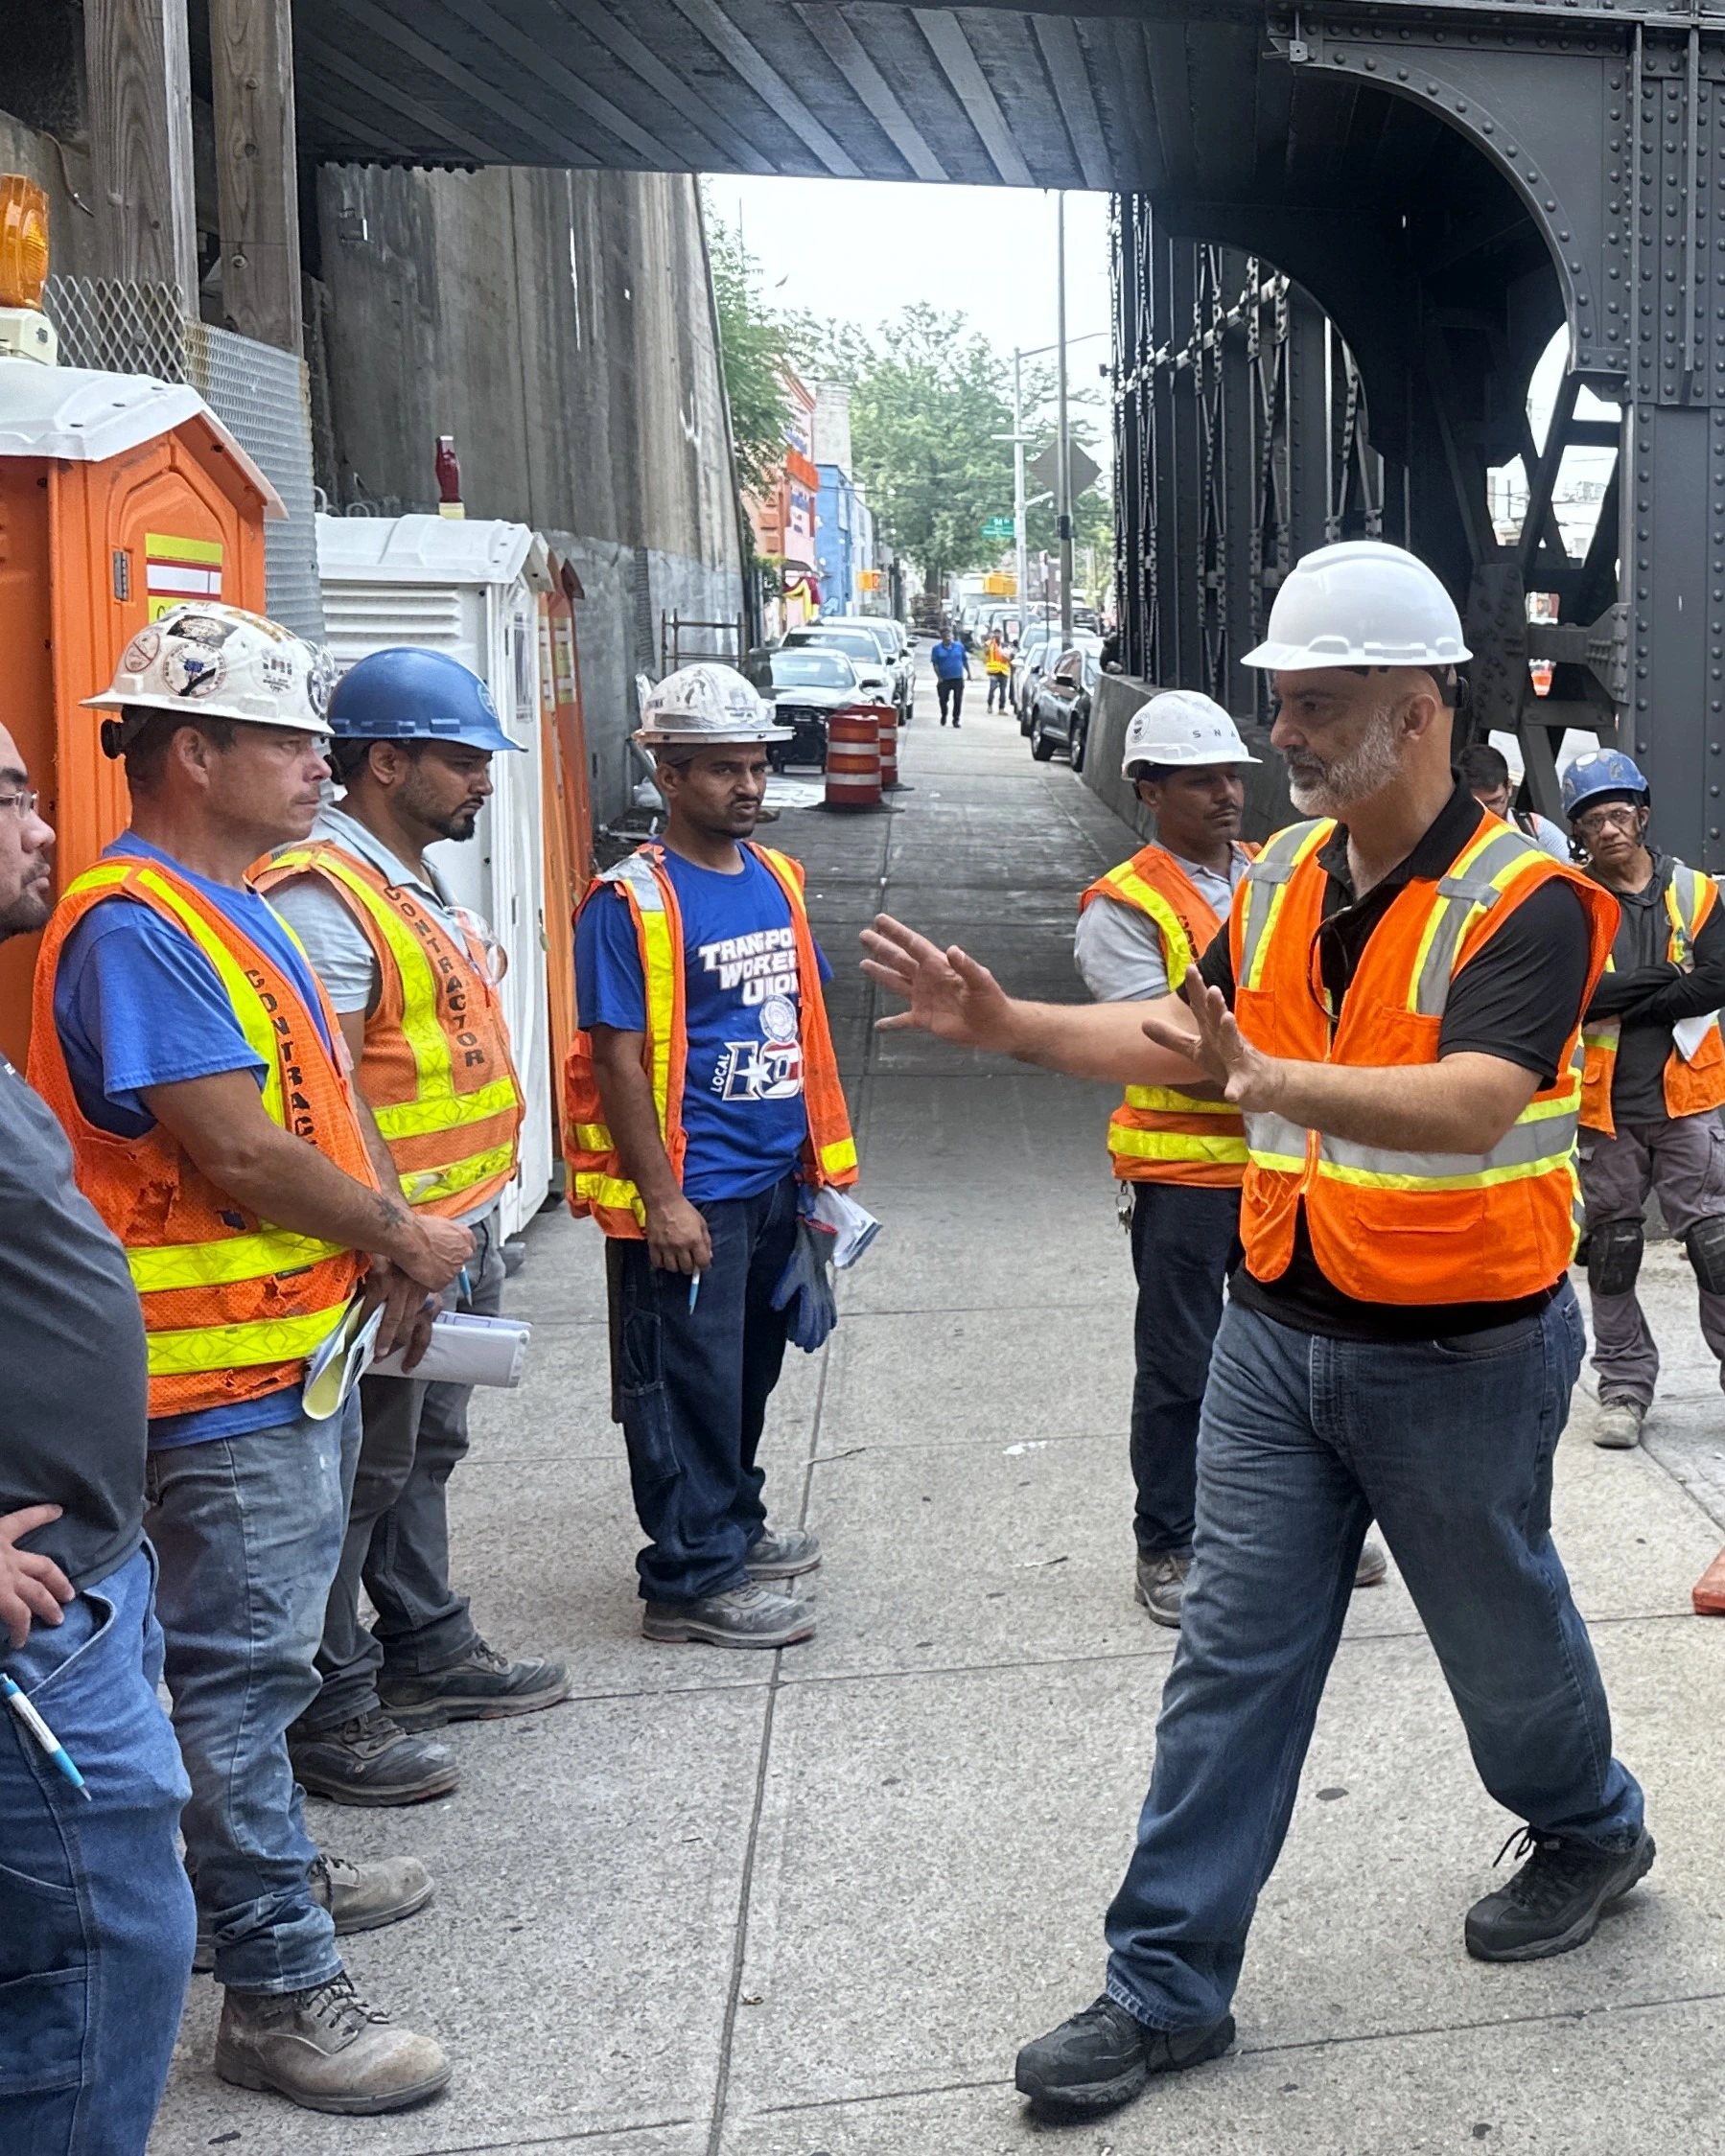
<point>469,586</point>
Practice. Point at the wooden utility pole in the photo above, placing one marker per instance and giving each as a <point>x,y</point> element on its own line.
<point>252,53</point>
<point>140,85</point>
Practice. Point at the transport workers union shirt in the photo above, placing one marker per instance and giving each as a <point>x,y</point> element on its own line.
<point>743,1098</point>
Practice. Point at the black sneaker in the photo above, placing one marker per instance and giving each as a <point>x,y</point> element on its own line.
<point>371,1759</point>
<point>1556,1899</point>
<point>482,1686</point>
<point>1104,2057</point>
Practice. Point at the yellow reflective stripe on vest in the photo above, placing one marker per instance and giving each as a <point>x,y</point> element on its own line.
<point>1539,1139</point>
<point>419,1119</point>
<point>594,1138</point>
<point>166,1265</point>
<point>611,1191</point>
<point>459,1175</point>
<point>1266,880</point>
<point>1177,959</point>
<point>1169,1101</point>
<point>242,1347</point>
<point>839,1157</point>
<point>1475,881</point>
<point>661,980</point>
<point>1277,1144</point>
<point>1132,1144</point>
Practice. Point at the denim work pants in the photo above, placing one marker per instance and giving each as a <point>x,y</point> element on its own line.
<point>1303,1440</point>
<point>1184,1243</point>
<point>997,687</point>
<point>96,1921</point>
<point>1681,1162</point>
<point>248,1530</point>
<point>396,1540</point>
<point>690,1388</point>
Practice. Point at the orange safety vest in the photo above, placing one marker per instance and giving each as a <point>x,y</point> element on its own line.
<point>1161,1134</point>
<point>436,1071</point>
<point>1693,1084</point>
<point>232,1305</point>
<point>996,658</point>
<point>598,1182</point>
<point>1389,1225</point>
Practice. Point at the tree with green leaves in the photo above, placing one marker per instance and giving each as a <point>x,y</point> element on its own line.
<point>759,346</point>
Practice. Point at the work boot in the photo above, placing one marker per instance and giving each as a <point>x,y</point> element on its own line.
<point>782,1553</point>
<point>1618,1429</point>
<point>1161,1583</point>
<point>371,1759</point>
<point>1373,1564</point>
<point>482,1686</point>
<point>1104,2057</point>
<point>327,2050</point>
<point>746,1616</point>
<point>360,1897</point>
<point>1556,1899</point>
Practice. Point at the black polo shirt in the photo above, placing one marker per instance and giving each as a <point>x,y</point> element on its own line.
<point>1519,998</point>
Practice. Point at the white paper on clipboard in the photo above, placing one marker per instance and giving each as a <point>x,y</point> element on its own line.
<point>466,1350</point>
<point>341,1361</point>
<point>1687,1034</point>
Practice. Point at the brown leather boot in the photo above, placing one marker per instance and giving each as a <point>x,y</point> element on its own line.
<point>327,2050</point>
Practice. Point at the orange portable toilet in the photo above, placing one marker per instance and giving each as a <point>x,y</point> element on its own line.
<point>120,495</point>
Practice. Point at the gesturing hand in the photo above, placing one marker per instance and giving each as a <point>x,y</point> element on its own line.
<point>949,994</point>
<point>31,1585</point>
<point>1247,1078</point>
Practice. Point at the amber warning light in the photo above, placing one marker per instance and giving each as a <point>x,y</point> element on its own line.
<point>25,331</point>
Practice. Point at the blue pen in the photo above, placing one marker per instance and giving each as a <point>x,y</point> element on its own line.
<point>465,1285</point>
<point>43,1735</point>
<point>694,1288</point>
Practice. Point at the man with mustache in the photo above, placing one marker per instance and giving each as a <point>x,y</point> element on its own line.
<point>1395,1009</point>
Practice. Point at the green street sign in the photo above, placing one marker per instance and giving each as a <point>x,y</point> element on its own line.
<point>998,527</point>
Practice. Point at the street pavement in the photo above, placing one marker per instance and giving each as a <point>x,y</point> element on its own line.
<point>809,1904</point>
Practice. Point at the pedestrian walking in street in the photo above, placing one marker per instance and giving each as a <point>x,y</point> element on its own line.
<point>1655,1077</point>
<point>409,978</point>
<point>96,1942</point>
<point>997,665</point>
<point>1395,1009</point>
<point>181,1038</point>
<point>1180,1153</point>
<point>703,1105</point>
<point>951,664</point>
<point>1484,770</point>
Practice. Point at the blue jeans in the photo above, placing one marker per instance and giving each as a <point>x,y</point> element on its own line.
<point>1449,1444</point>
<point>95,1912</point>
<point>248,1530</point>
<point>1184,1240</point>
<point>692,1388</point>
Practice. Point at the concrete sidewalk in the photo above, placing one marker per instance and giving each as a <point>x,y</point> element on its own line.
<point>810,1904</point>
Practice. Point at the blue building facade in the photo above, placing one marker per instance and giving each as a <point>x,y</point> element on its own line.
<point>843,543</point>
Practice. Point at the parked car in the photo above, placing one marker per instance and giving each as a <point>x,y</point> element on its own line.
<point>894,648</point>
<point>1038,647</point>
<point>804,686</point>
<point>860,646</point>
<point>1060,714</point>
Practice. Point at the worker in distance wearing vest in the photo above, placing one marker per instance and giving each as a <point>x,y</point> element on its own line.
<point>1655,1074</point>
<point>1395,1008</point>
<point>1180,1153</point>
<point>182,1039</point>
<point>410,977</point>
<point>703,1102</point>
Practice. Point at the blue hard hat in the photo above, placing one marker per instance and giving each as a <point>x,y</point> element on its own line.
<point>1608,770</point>
<point>406,693</point>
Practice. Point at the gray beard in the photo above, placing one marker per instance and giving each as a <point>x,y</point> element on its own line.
<point>1369,765</point>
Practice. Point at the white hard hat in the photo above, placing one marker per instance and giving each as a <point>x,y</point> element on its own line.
<point>213,661</point>
<point>703,704</point>
<point>1361,603</point>
<point>1186,728</point>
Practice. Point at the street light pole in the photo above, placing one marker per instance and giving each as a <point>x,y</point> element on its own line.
<point>1020,538</point>
<point>1062,491</point>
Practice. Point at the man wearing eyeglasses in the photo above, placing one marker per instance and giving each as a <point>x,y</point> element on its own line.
<point>1655,1074</point>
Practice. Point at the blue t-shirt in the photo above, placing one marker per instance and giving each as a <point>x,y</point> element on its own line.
<point>948,660</point>
<point>136,1004</point>
<point>742,1094</point>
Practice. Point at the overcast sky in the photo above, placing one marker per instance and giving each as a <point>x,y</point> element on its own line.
<point>860,250</point>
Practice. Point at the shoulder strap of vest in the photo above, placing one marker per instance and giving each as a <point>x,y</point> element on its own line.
<point>1263,889</point>
<point>1493,864</point>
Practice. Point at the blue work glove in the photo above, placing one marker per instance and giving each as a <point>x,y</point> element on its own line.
<point>805,1286</point>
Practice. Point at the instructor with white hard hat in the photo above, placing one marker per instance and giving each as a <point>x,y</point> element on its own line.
<point>1395,1009</point>
<point>703,1104</point>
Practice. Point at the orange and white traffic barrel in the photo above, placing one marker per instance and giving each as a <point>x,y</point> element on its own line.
<point>854,759</point>
<point>888,717</point>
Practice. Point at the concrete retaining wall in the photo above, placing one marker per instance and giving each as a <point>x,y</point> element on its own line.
<point>1117,695</point>
<point>559,325</point>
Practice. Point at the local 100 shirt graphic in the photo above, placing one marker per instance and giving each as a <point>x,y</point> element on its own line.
<point>764,1061</point>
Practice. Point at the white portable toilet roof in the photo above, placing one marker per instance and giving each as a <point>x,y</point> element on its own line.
<point>86,416</point>
<point>417,550</point>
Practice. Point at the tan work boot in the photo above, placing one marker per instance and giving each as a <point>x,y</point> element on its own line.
<point>363,1897</point>
<point>1618,1429</point>
<point>327,2050</point>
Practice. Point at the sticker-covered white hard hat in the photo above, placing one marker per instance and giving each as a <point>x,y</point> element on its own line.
<point>704,704</point>
<point>1361,603</point>
<point>213,661</point>
<point>1184,727</point>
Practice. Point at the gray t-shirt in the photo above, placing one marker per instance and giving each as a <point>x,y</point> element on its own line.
<point>1118,948</point>
<point>74,1408</point>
